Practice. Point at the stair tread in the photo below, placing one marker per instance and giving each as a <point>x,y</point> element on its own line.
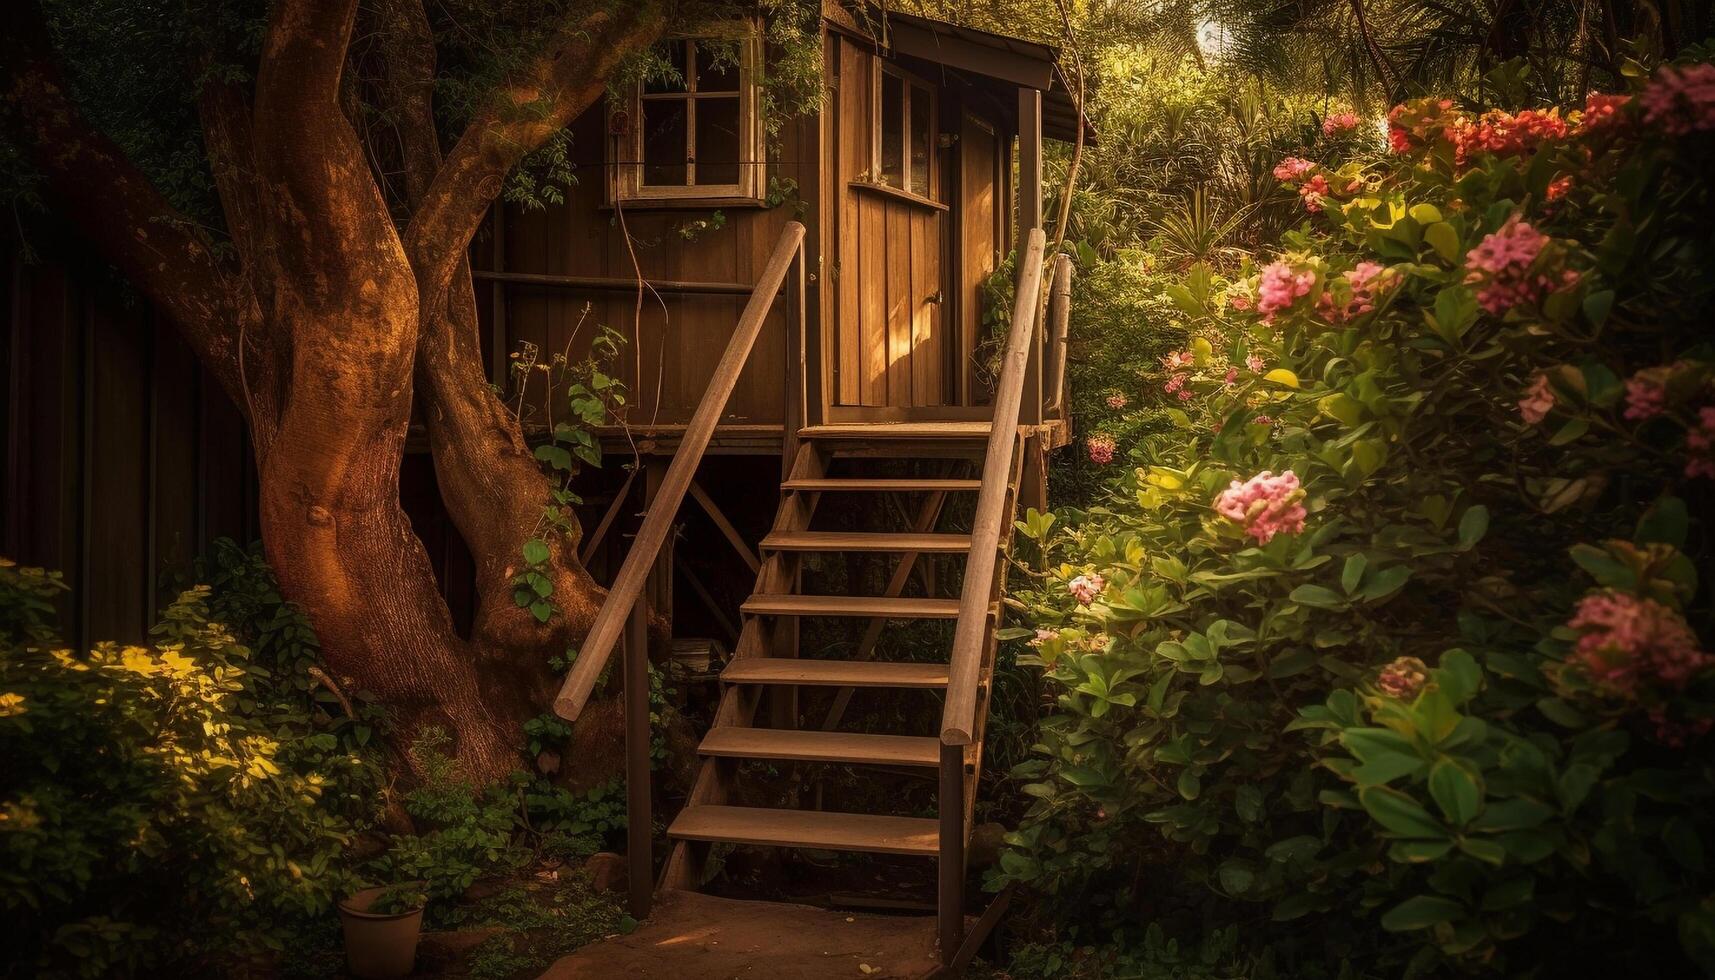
<point>834,673</point>
<point>881,483</point>
<point>808,828</point>
<point>813,746</point>
<point>865,541</point>
<point>898,430</point>
<point>896,607</point>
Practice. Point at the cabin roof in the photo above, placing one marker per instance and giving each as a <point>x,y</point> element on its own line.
<point>1001,57</point>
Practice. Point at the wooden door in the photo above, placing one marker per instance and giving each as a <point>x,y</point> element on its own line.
<point>979,242</point>
<point>892,351</point>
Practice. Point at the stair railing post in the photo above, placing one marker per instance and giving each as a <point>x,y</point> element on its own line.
<point>639,821</point>
<point>950,908</point>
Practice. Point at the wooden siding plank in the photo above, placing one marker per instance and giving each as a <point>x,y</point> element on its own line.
<point>900,302</point>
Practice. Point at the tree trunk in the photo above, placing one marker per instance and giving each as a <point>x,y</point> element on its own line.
<point>323,323</point>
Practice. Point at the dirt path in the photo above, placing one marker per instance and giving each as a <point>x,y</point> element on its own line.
<point>691,936</point>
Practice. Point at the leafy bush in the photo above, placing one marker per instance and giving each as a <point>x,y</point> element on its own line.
<point>1391,634</point>
<point>167,808</point>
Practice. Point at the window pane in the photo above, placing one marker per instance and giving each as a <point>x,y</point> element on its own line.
<point>674,54</point>
<point>717,141</point>
<point>664,141</point>
<point>717,66</point>
<point>922,138</point>
<point>892,131</point>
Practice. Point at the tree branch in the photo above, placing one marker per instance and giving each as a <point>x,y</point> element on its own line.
<point>116,206</point>
<point>559,86</point>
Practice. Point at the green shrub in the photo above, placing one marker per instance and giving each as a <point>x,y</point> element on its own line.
<point>1390,637</point>
<point>164,809</point>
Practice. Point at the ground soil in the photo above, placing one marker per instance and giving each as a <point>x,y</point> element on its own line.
<point>693,936</point>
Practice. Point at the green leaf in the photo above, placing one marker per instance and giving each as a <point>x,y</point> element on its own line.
<point>542,610</point>
<point>1353,573</point>
<point>1282,377</point>
<point>1573,430</point>
<point>1318,596</point>
<point>1666,522</point>
<point>1424,214</point>
<point>1444,239</point>
<point>1399,813</point>
<point>535,551</point>
<point>1456,791</point>
<point>1386,582</point>
<point>1473,524</point>
<point>1189,785</point>
<point>1421,912</point>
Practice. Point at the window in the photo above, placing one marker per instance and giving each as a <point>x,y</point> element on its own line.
<point>694,135</point>
<point>905,133</point>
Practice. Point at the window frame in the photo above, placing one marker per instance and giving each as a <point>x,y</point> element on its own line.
<point>908,81</point>
<point>625,183</point>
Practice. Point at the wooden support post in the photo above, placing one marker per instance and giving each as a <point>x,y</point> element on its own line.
<point>1029,219</point>
<point>951,901</point>
<point>639,821</point>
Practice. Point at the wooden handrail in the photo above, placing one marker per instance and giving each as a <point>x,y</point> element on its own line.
<point>1059,320</point>
<point>628,584</point>
<point>959,716</point>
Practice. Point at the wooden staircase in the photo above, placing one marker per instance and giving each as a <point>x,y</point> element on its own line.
<point>757,717</point>
<point>765,661</point>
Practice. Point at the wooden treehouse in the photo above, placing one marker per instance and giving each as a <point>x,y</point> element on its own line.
<point>817,294</point>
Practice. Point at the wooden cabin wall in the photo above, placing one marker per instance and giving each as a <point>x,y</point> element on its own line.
<point>683,333</point>
<point>125,460</point>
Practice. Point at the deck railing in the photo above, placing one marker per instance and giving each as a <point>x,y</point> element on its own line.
<point>624,611</point>
<point>959,725</point>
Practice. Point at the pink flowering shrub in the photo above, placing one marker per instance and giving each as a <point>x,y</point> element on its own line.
<point>1264,505</point>
<point>1101,449</point>
<point>1681,100</point>
<point>1280,286</point>
<point>1407,615</point>
<point>1338,123</point>
<point>1627,642</point>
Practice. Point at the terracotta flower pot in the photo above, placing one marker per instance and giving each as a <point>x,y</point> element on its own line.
<point>379,946</point>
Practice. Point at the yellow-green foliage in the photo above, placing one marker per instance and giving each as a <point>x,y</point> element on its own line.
<point>152,818</point>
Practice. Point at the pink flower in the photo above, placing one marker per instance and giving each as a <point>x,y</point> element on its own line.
<point>1700,445</point>
<point>1359,285</point>
<point>1117,401</point>
<point>1186,394</point>
<point>1626,639</point>
<point>1681,100</point>
<point>1314,192</point>
<point>1279,286</point>
<point>1254,362</point>
<point>1176,383</point>
<point>1263,420</point>
<point>1537,400</point>
<point>1101,449</point>
<point>1240,301</point>
<point>1559,187</point>
<point>1232,377</point>
<point>1646,393</point>
<point>1602,110</point>
<point>1502,266</point>
<point>1503,133</point>
<point>1178,359</point>
<point>1265,504</point>
<point>1085,588</point>
<point>1403,679</point>
<point>1042,636</point>
<point>1292,169</point>
<point>1339,122</point>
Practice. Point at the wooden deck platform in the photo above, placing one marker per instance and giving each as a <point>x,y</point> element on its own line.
<point>693,936</point>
